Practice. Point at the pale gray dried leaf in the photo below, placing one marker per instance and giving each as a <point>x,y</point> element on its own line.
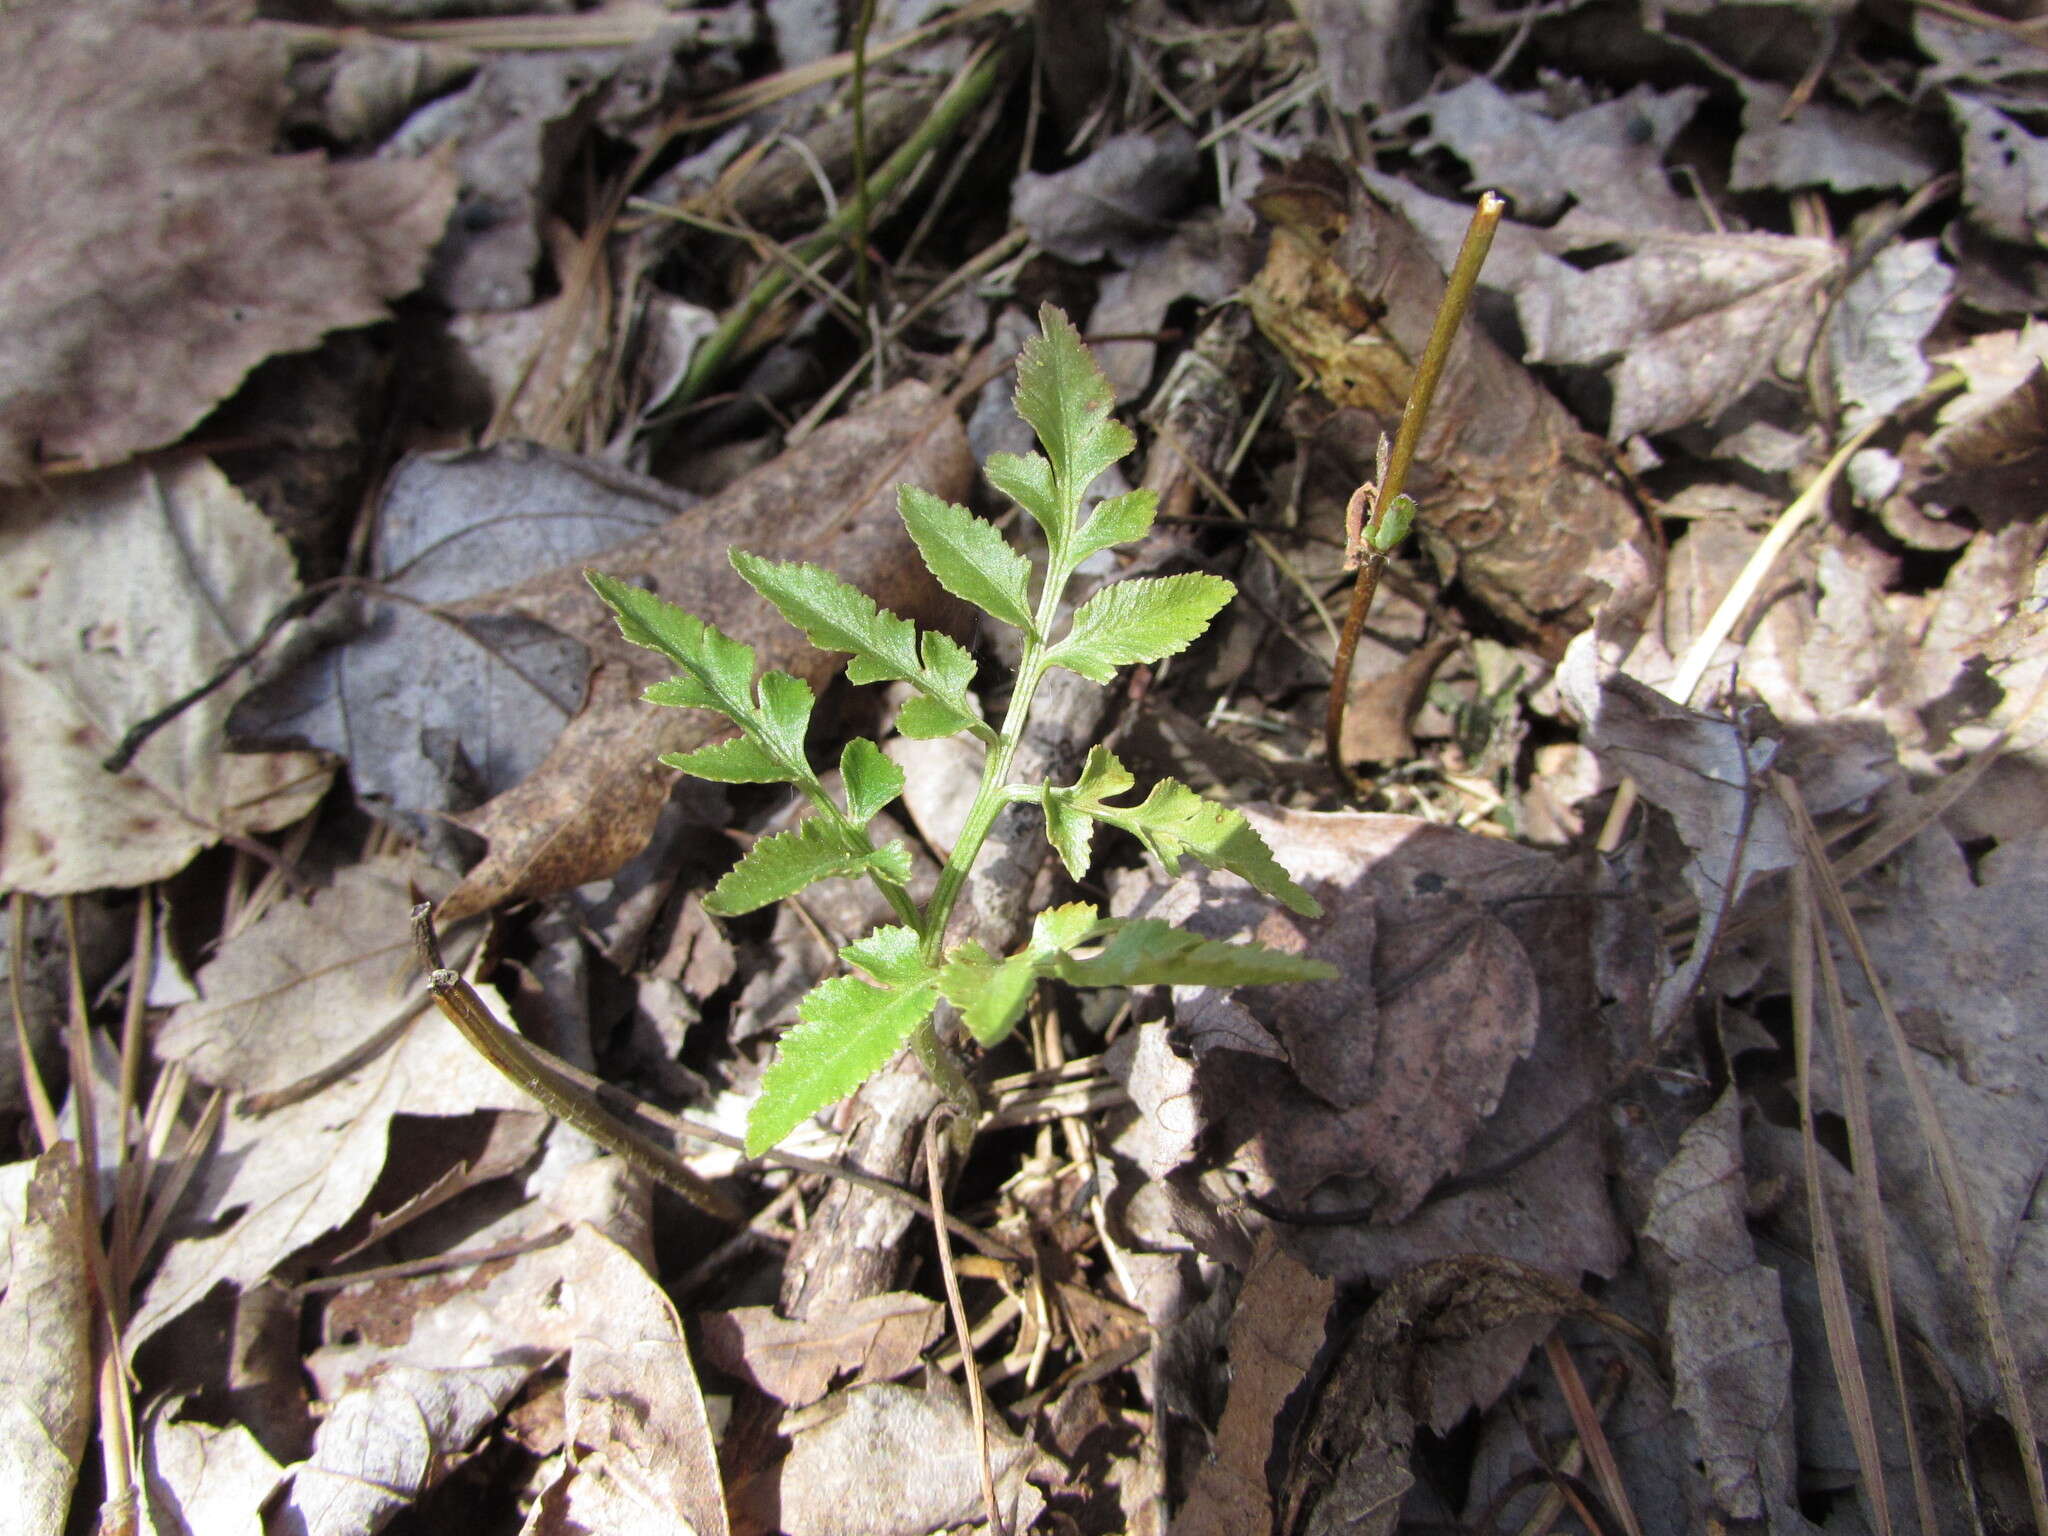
<point>1730,1346</point>
<point>1701,771</point>
<point>436,713</point>
<point>1605,162</point>
<point>1688,323</point>
<point>1115,202</point>
<point>890,1461</point>
<point>277,1181</point>
<point>2005,172</point>
<point>158,250</point>
<point>199,1477</point>
<point>510,132</point>
<point>1820,146</point>
<point>1373,53</point>
<point>383,1445</point>
<point>1963,52</point>
<point>126,590</point>
<point>1202,259</point>
<point>46,1338</point>
<point>307,984</point>
<point>1169,1120</point>
<point>643,1458</point>
<point>1880,322</point>
<point>1691,323</point>
<point>498,1314</point>
<point>796,1362</point>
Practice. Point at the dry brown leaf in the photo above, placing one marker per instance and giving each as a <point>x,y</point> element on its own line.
<point>1275,1335</point>
<point>506,1312</point>
<point>1347,1469</point>
<point>158,250</point>
<point>126,590</point>
<point>1959,942</point>
<point>46,1323</point>
<point>796,1362</point>
<point>592,803</point>
<point>1392,1068</point>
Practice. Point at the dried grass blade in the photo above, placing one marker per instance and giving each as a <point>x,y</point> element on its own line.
<point>1863,1163</point>
<point>1827,1258</point>
<point>1969,1230</point>
<point>975,1398</point>
<point>1592,1437</point>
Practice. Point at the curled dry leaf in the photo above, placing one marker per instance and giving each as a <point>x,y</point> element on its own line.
<point>46,1324</point>
<point>158,250</point>
<point>383,1444</point>
<point>125,591</point>
<point>643,1455</point>
<point>592,803</point>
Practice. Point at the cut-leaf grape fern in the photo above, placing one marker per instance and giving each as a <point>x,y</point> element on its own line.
<point>850,1026</point>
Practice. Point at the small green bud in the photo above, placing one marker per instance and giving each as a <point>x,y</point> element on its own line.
<point>1394,526</point>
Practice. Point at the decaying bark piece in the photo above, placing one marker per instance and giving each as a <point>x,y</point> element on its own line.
<point>1516,498</point>
<point>592,804</point>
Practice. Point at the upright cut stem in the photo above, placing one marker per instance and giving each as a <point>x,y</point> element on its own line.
<point>1450,314</point>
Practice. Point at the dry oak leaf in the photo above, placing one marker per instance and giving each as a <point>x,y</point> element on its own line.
<point>124,591</point>
<point>157,250</point>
